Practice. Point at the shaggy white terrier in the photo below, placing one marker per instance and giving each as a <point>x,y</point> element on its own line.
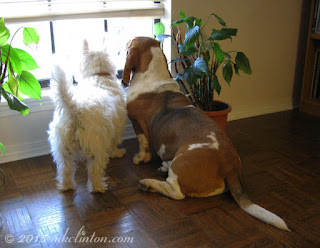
<point>88,120</point>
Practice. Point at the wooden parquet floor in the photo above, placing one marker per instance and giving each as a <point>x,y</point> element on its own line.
<point>281,172</point>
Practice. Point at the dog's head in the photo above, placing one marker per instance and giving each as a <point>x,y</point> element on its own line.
<point>138,57</point>
<point>96,62</point>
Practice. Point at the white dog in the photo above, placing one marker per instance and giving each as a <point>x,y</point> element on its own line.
<point>88,120</point>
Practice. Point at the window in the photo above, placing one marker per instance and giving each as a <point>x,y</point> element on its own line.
<point>62,26</point>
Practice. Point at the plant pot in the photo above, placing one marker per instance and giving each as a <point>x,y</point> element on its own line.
<point>220,116</point>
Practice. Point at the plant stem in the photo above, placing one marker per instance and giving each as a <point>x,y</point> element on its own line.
<point>6,63</point>
<point>206,22</point>
<point>14,35</point>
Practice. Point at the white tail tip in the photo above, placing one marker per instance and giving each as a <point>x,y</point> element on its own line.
<point>266,216</point>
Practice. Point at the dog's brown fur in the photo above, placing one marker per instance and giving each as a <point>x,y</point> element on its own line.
<point>203,159</point>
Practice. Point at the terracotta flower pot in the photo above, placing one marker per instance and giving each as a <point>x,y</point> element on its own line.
<point>220,116</point>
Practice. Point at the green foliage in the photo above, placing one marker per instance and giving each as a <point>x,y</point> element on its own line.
<point>15,64</point>
<point>227,71</point>
<point>4,33</point>
<point>198,58</point>
<point>159,28</point>
<point>30,36</point>
<point>15,78</point>
<point>2,149</point>
<point>242,63</point>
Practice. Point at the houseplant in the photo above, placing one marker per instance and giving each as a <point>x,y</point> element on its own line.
<point>199,57</point>
<point>15,79</point>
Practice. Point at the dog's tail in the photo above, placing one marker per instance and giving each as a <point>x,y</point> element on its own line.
<point>61,88</point>
<point>237,191</point>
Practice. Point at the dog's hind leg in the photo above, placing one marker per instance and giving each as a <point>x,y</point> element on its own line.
<point>96,173</point>
<point>170,187</point>
<point>144,154</point>
<point>65,169</point>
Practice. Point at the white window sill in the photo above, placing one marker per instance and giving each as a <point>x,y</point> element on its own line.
<point>35,105</point>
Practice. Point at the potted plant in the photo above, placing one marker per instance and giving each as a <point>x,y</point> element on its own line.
<point>198,59</point>
<point>15,79</point>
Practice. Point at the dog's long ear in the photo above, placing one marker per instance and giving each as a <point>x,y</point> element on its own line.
<point>131,63</point>
<point>85,48</point>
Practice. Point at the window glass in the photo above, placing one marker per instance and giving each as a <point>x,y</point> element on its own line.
<point>42,52</point>
<point>67,39</point>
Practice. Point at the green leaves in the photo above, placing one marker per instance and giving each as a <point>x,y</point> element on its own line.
<point>189,21</point>
<point>2,149</point>
<point>223,34</point>
<point>187,51</point>
<point>4,33</point>
<point>191,36</point>
<point>200,67</point>
<point>227,71</point>
<point>13,84</point>
<point>14,58</point>
<point>200,57</point>
<point>26,84</point>
<point>190,76</point>
<point>159,28</point>
<point>19,81</point>
<point>222,22</point>
<point>243,63</point>
<point>26,60</point>
<point>195,71</point>
<point>182,14</point>
<point>30,36</point>
<point>217,51</point>
<point>29,85</point>
<point>14,103</point>
<point>215,84</point>
<point>219,35</point>
<point>161,37</point>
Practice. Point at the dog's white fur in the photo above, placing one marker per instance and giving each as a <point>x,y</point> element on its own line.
<point>88,121</point>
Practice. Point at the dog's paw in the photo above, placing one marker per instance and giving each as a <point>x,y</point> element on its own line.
<point>145,185</point>
<point>163,171</point>
<point>97,188</point>
<point>66,187</point>
<point>147,157</point>
<point>144,157</point>
<point>119,153</point>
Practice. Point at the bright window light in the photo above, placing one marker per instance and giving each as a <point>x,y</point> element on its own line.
<point>67,38</point>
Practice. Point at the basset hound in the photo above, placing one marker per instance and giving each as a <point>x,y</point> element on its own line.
<point>200,159</point>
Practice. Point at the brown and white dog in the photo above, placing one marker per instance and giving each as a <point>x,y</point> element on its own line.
<point>200,159</point>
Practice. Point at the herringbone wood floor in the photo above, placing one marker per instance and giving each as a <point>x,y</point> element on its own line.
<point>281,172</point>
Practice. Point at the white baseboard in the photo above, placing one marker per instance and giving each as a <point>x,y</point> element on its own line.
<point>246,111</point>
<point>28,148</point>
<point>33,149</point>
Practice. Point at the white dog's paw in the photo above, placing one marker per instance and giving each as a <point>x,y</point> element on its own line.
<point>66,186</point>
<point>119,153</point>
<point>101,188</point>
<point>163,170</point>
<point>144,157</point>
<point>99,185</point>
